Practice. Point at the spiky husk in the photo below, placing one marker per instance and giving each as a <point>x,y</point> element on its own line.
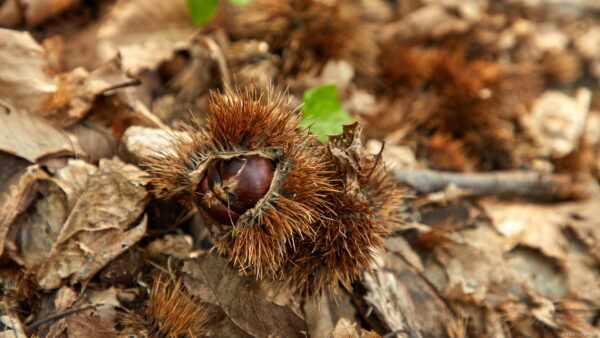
<point>309,33</point>
<point>321,221</point>
<point>470,101</point>
<point>170,312</point>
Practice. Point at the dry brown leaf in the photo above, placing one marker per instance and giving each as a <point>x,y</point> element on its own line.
<point>26,77</point>
<point>107,297</point>
<point>33,138</point>
<point>105,219</point>
<point>39,228</point>
<point>144,33</point>
<point>533,225</point>
<point>347,329</point>
<point>139,143</point>
<point>586,224</point>
<point>531,256</point>
<point>557,120</point>
<point>210,278</point>
<point>177,245</point>
<point>404,300</point>
<point>95,139</point>
<point>324,314</point>
<point>16,191</point>
<point>77,90</point>
<point>29,84</point>
<point>86,323</point>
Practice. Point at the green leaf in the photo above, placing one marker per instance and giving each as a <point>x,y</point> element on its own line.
<point>240,2</point>
<point>202,10</point>
<point>322,111</point>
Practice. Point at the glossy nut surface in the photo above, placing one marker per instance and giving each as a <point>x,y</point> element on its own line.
<point>230,187</point>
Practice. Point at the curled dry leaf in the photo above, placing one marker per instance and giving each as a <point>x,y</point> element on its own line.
<point>176,245</point>
<point>215,282</point>
<point>100,217</point>
<point>557,120</point>
<point>28,83</point>
<point>347,329</point>
<point>77,90</point>
<point>16,181</point>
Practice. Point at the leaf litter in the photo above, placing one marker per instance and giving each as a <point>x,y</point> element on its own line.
<point>504,97</point>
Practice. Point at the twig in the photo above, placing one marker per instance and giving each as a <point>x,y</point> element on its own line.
<point>131,83</point>
<point>527,184</point>
<point>33,326</point>
<point>395,332</point>
<point>217,55</point>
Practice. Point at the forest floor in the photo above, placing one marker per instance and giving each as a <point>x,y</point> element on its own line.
<point>486,114</point>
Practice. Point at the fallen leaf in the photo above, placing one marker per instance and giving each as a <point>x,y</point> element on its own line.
<point>26,77</point>
<point>347,329</point>
<point>177,245</point>
<point>405,301</point>
<point>556,121</point>
<point>77,90</point>
<point>324,314</point>
<point>105,220</point>
<point>29,84</point>
<point>210,278</point>
<point>33,138</point>
<point>16,191</point>
<point>532,225</point>
<point>140,142</point>
<point>109,301</point>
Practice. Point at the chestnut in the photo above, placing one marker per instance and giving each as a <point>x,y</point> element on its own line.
<point>232,186</point>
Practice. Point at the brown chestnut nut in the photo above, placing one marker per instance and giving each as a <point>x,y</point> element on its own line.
<point>232,186</point>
